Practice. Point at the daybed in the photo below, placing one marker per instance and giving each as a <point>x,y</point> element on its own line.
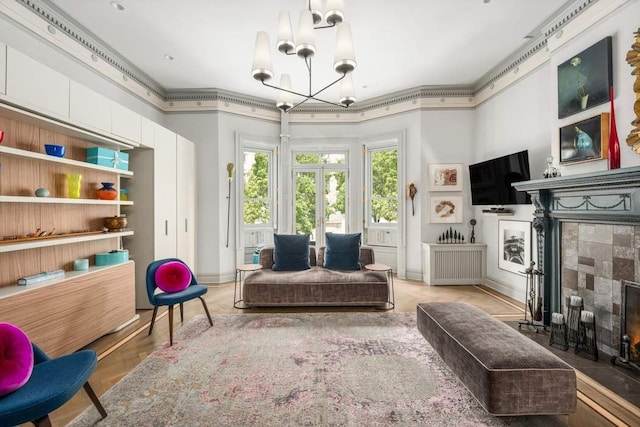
<point>507,373</point>
<point>317,286</point>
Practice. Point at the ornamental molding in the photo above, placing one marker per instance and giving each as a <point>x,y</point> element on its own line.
<point>137,82</point>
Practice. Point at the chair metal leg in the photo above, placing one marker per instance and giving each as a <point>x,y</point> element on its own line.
<point>206,310</point>
<point>42,421</point>
<point>170,325</point>
<point>95,400</point>
<point>153,319</point>
<point>181,314</point>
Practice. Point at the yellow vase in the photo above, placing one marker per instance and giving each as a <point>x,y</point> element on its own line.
<point>74,181</point>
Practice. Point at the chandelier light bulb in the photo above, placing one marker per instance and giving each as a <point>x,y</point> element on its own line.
<point>347,91</point>
<point>335,12</point>
<point>344,58</point>
<point>306,44</point>
<point>285,99</point>
<point>316,10</point>
<point>262,68</point>
<point>285,34</point>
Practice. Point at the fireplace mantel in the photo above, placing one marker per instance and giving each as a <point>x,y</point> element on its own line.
<point>604,197</point>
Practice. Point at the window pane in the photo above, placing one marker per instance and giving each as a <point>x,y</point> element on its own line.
<point>335,202</point>
<point>306,203</point>
<point>384,188</point>
<point>256,188</point>
<point>320,158</point>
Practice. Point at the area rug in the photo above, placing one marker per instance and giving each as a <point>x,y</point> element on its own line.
<point>309,369</point>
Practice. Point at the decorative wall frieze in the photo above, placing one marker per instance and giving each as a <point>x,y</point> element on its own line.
<point>50,23</point>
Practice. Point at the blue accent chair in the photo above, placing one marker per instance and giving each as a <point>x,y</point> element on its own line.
<point>52,383</point>
<point>158,298</point>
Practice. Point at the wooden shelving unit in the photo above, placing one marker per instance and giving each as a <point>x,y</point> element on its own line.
<point>12,246</point>
<point>61,200</point>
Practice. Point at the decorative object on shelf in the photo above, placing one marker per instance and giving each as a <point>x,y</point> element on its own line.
<point>412,190</point>
<point>107,192</point>
<point>112,258</point>
<point>473,223</point>
<point>55,150</point>
<point>1,135</point>
<point>305,47</point>
<point>585,141</point>
<point>81,264</point>
<point>108,158</point>
<point>550,171</point>
<point>445,209</point>
<point>633,58</point>
<point>115,223</point>
<point>42,192</point>
<point>614,144</point>
<point>124,194</point>
<point>584,79</point>
<point>451,236</point>
<point>230,168</point>
<point>445,177</point>
<point>74,183</point>
<point>514,240</point>
<point>41,277</point>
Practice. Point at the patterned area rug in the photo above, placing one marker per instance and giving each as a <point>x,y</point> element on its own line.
<point>309,369</point>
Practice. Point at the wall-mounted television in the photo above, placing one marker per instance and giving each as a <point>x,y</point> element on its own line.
<point>491,180</point>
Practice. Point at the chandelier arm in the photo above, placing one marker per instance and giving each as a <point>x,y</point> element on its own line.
<point>284,90</point>
<point>326,102</point>
<point>325,26</point>
<point>328,86</point>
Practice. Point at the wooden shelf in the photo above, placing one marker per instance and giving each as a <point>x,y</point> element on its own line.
<point>16,152</point>
<point>50,200</point>
<point>12,246</point>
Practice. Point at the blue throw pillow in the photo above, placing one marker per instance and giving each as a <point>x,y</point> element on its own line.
<point>291,252</point>
<point>342,251</point>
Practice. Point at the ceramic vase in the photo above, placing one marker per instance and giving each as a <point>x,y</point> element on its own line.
<point>107,192</point>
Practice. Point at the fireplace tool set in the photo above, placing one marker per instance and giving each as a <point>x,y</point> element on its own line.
<point>533,304</point>
<point>579,331</point>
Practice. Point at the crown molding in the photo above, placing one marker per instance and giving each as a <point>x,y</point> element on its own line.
<point>50,23</point>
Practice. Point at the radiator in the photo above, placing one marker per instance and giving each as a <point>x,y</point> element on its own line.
<point>454,264</point>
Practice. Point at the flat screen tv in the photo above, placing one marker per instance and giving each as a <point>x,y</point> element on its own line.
<point>491,180</point>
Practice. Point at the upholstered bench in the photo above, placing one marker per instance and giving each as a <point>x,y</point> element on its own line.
<point>505,371</point>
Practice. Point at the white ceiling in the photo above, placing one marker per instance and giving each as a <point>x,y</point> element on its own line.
<point>399,44</point>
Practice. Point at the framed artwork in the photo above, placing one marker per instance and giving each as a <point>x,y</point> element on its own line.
<point>584,79</point>
<point>514,245</point>
<point>585,141</point>
<point>445,209</point>
<point>445,177</point>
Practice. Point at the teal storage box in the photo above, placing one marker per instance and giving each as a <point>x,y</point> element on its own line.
<point>112,258</point>
<point>108,158</point>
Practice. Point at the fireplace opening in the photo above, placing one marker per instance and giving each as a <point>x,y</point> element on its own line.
<point>630,327</point>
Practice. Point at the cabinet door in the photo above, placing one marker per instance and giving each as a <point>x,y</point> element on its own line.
<point>125,123</point>
<point>146,132</point>
<point>3,68</point>
<point>164,176</point>
<point>186,195</point>
<point>36,86</point>
<point>89,108</point>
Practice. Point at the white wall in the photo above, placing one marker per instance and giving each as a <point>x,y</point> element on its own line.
<point>214,135</point>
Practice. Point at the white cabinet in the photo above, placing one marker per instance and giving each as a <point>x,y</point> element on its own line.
<point>36,86</point>
<point>164,215</point>
<point>454,264</point>
<point>3,68</point>
<point>147,128</point>
<point>185,200</point>
<point>125,123</point>
<point>165,189</point>
<point>89,108</point>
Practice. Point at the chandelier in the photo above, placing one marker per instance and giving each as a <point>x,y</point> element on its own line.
<point>304,46</point>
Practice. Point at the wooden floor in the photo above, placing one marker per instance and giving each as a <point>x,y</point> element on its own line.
<point>120,352</point>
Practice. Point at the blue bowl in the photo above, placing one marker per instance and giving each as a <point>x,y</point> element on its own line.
<point>54,150</point>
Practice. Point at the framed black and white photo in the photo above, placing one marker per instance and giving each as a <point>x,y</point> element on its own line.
<point>514,245</point>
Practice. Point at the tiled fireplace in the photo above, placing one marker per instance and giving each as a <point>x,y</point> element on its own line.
<point>588,234</point>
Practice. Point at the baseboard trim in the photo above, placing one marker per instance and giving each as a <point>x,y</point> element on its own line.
<point>504,289</point>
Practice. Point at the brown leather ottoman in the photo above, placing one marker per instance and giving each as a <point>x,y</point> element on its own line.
<point>505,371</point>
